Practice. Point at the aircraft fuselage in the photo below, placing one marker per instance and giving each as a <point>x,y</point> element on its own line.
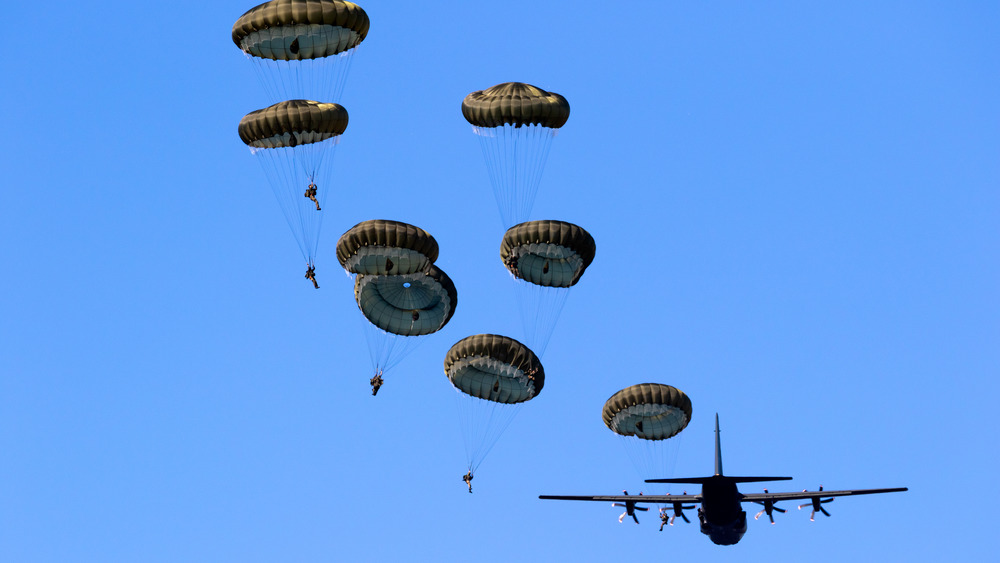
<point>721,515</point>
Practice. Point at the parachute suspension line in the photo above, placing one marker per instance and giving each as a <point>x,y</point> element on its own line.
<point>387,350</point>
<point>314,155</point>
<point>500,417</point>
<point>320,80</point>
<point>544,143</point>
<point>512,156</point>
<point>309,219</point>
<point>264,78</point>
<point>515,158</point>
<point>653,459</point>
<point>531,160</point>
<point>490,144</point>
<point>483,422</point>
<point>540,308</point>
<point>344,68</point>
<point>280,173</point>
<point>289,171</point>
<point>311,159</point>
<point>379,349</point>
<point>504,182</point>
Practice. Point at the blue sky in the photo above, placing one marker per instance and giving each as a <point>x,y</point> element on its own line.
<point>795,210</point>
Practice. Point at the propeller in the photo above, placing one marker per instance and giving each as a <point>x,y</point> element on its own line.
<point>630,508</point>
<point>679,509</point>
<point>817,505</point>
<point>630,504</point>
<point>768,508</point>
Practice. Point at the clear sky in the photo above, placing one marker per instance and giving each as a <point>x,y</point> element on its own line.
<point>795,211</point>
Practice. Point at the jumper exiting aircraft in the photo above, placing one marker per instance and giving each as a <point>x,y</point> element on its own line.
<point>721,515</point>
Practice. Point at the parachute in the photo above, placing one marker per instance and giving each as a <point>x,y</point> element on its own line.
<point>545,259</point>
<point>493,374</point>
<point>515,123</point>
<point>294,142</point>
<point>386,247</point>
<point>397,288</point>
<point>407,304</point>
<point>302,48</point>
<point>647,416</point>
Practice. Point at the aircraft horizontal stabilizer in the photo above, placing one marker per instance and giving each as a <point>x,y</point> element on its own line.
<point>757,479</point>
<point>703,480</point>
<point>692,480</point>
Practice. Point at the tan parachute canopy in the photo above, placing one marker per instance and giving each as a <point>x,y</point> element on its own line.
<point>495,368</point>
<point>381,246</point>
<point>300,29</point>
<point>407,304</point>
<point>292,123</point>
<point>517,104</point>
<point>650,411</point>
<point>547,253</point>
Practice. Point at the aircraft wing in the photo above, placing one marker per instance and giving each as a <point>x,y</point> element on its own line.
<point>657,499</point>
<point>809,495</point>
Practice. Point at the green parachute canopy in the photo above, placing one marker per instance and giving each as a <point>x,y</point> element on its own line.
<point>292,123</point>
<point>494,368</point>
<point>517,104</point>
<point>515,124</point>
<point>407,304</point>
<point>649,411</point>
<point>547,253</point>
<point>285,30</point>
<point>380,247</point>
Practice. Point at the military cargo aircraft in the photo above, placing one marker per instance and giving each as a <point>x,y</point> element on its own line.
<point>721,514</point>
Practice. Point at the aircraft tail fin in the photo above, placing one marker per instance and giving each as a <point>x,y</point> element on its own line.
<point>700,480</point>
<point>718,469</point>
<point>718,447</point>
